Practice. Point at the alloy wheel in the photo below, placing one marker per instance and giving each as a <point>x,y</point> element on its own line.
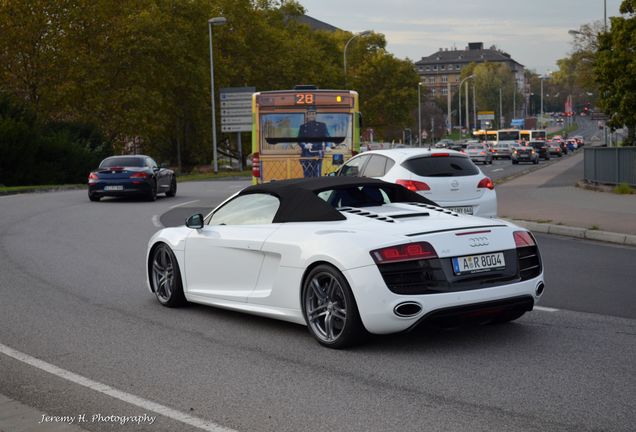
<point>326,307</point>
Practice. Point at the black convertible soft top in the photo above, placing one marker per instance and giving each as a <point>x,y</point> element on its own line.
<point>299,201</point>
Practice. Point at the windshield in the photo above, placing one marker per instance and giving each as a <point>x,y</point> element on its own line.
<point>508,135</point>
<point>475,147</point>
<point>285,132</point>
<point>539,135</point>
<point>441,166</point>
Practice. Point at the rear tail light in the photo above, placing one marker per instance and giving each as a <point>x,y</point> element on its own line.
<point>486,183</point>
<point>142,175</point>
<point>482,153</point>
<point>413,185</point>
<point>523,239</point>
<point>256,165</point>
<point>92,178</point>
<point>404,252</point>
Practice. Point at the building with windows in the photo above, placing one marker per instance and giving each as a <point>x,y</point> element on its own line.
<point>444,67</point>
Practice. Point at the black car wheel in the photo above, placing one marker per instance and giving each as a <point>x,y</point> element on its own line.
<point>94,197</point>
<point>330,309</point>
<point>165,277</point>
<point>152,194</point>
<point>173,188</point>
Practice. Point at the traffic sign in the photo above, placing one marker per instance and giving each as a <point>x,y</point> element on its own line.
<point>236,120</point>
<point>236,112</point>
<point>236,127</point>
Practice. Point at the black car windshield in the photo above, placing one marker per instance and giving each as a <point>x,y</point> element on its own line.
<point>122,162</point>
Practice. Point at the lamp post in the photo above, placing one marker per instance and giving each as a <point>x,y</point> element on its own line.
<point>542,78</point>
<point>460,102</point>
<point>419,112</point>
<point>216,21</point>
<point>362,33</point>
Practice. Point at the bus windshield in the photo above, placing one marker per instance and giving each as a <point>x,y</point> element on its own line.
<point>330,129</point>
<point>508,135</point>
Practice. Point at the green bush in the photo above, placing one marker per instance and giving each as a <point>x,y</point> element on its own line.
<point>623,189</point>
<point>54,153</point>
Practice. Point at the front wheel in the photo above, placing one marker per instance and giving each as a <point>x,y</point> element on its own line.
<point>330,309</point>
<point>152,194</point>
<point>165,277</point>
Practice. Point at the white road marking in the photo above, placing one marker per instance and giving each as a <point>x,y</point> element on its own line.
<point>498,169</point>
<point>545,309</point>
<point>183,204</point>
<point>113,392</point>
<point>156,222</point>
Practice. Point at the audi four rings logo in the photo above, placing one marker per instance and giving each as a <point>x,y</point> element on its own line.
<point>478,241</point>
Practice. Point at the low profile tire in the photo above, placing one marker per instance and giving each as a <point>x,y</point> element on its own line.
<point>173,188</point>
<point>165,277</point>
<point>94,197</point>
<point>330,309</point>
<point>515,162</point>
<point>507,317</point>
<point>152,195</point>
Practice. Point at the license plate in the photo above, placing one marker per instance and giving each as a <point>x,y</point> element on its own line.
<point>114,188</point>
<point>478,263</point>
<point>463,210</point>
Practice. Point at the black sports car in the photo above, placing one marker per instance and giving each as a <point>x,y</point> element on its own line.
<point>131,175</point>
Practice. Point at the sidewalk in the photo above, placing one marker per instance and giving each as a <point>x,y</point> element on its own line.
<point>549,201</point>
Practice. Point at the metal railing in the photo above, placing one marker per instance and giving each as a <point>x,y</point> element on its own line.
<point>610,165</point>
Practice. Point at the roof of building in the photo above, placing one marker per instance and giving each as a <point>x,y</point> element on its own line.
<point>474,52</point>
<point>314,24</point>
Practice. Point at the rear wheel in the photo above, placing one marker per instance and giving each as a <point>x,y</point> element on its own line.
<point>152,194</point>
<point>173,188</point>
<point>330,309</point>
<point>94,197</point>
<point>165,277</point>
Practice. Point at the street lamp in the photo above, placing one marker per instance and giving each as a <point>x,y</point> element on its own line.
<point>362,33</point>
<point>460,102</point>
<point>542,78</point>
<point>216,21</point>
<point>419,111</point>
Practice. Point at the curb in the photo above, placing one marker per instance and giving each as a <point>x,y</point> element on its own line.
<point>576,232</point>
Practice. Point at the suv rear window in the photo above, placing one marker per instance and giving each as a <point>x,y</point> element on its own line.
<point>441,166</point>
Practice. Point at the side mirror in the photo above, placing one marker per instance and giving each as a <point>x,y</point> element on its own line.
<point>195,221</point>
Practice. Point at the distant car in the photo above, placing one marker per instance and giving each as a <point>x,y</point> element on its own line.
<point>479,153</point>
<point>448,177</point>
<point>444,143</point>
<point>525,154</point>
<point>346,256</point>
<point>541,148</point>
<point>502,149</point>
<point>579,140</point>
<point>572,144</point>
<point>555,149</point>
<point>136,175</point>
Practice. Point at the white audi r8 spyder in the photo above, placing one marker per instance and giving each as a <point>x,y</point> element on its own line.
<point>346,256</point>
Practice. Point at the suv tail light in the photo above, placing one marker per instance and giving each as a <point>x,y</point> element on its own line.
<point>404,252</point>
<point>256,165</point>
<point>523,239</point>
<point>486,183</point>
<point>413,185</point>
<point>92,178</point>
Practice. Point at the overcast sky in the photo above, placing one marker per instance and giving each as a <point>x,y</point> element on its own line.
<point>533,32</point>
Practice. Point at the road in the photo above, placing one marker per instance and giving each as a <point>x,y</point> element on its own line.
<point>73,296</point>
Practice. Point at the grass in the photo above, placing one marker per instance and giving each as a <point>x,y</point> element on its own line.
<point>595,228</point>
<point>9,190</point>
<point>213,176</point>
<point>623,189</point>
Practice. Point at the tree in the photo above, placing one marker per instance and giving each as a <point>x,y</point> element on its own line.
<point>615,69</point>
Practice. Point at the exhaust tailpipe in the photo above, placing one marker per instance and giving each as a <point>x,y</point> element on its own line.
<point>407,309</point>
<point>540,288</point>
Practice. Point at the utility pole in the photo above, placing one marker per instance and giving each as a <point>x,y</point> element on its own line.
<point>467,118</point>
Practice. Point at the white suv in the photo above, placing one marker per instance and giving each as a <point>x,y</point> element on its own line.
<point>447,177</point>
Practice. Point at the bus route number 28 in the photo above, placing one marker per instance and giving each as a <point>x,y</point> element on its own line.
<point>304,98</point>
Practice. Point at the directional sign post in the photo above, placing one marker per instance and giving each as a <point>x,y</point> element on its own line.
<point>236,113</point>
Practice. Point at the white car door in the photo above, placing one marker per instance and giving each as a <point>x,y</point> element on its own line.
<point>224,258</point>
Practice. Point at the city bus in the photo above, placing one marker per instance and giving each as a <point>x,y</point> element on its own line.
<point>485,135</point>
<point>533,135</point>
<point>305,132</point>
<point>508,135</point>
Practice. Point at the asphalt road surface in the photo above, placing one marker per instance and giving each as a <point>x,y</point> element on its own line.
<point>73,296</point>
